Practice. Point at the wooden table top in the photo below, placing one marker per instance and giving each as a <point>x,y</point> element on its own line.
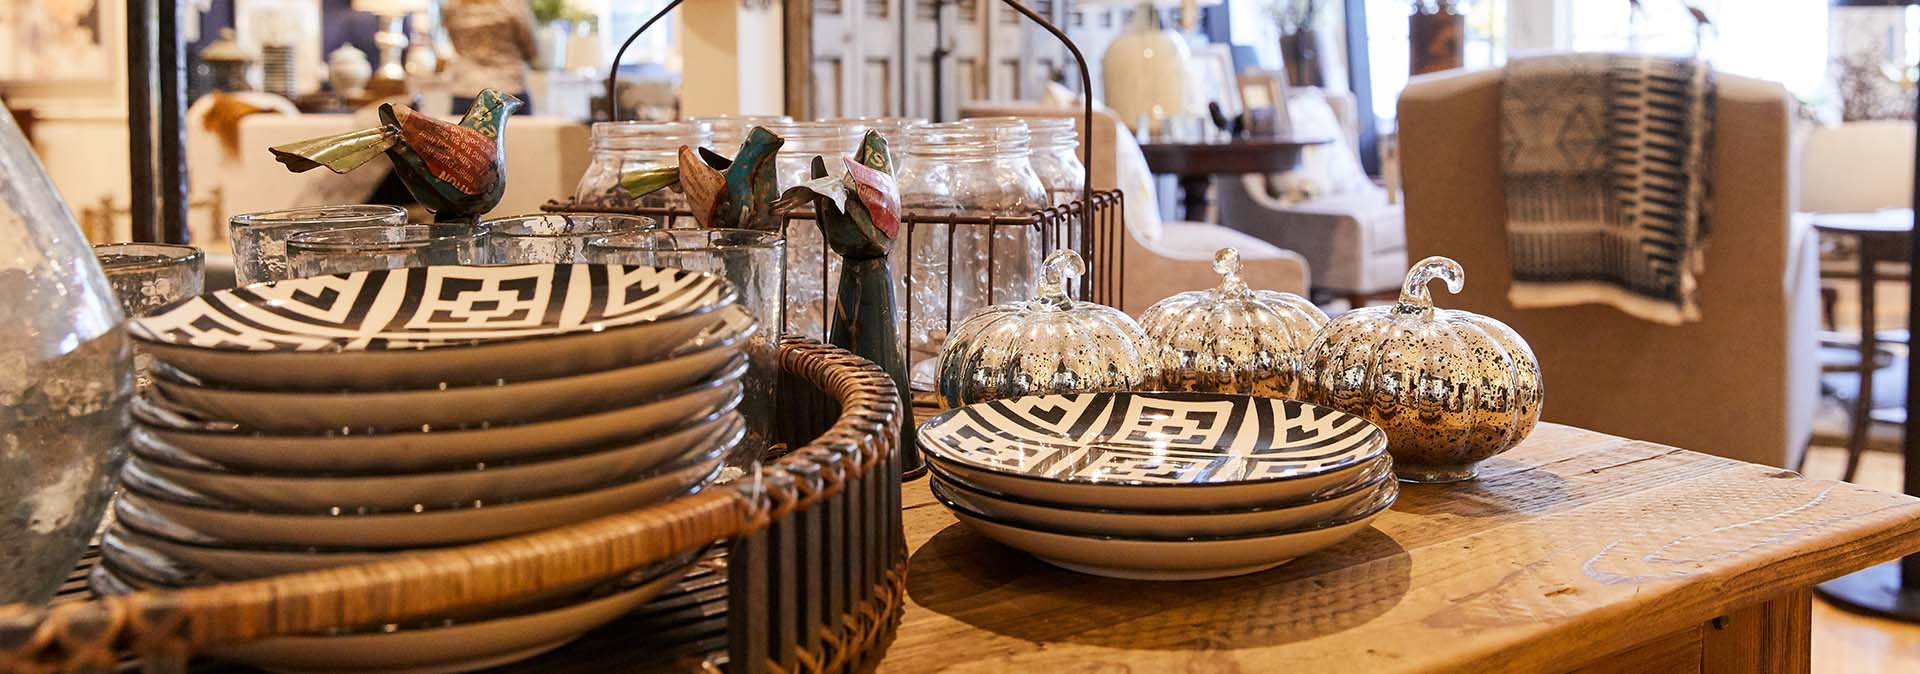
<point>1240,155</point>
<point>1570,547</point>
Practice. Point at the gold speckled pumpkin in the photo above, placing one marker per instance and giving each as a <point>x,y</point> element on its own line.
<point>1451,388</point>
<point>1231,339</point>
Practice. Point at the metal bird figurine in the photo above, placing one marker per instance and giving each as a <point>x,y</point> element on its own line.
<point>458,171</point>
<point>859,215</point>
<point>722,192</point>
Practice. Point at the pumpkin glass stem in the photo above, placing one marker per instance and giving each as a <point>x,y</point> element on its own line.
<point>1413,296</point>
<point>1060,269</point>
<point>1226,263</point>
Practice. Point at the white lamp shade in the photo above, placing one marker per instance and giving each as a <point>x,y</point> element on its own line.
<point>1145,73</point>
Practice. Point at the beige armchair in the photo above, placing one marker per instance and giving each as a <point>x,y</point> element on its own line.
<point>1741,382</point>
<point>1161,258</point>
<point>1353,234</point>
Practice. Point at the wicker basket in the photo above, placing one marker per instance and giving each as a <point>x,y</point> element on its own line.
<point>814,578</point>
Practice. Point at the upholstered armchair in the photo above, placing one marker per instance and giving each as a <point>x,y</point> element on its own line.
<point>1348,229</point>
<point>1161,258</point>
<point>1741,382</point>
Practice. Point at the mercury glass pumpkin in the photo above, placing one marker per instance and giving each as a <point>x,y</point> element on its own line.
<point>1231,339</point>
<point>1451,388</point>
<point>1049,344</point>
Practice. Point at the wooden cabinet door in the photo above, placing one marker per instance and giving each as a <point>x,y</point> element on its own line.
<point>856,59</point>
<point>875,57</point>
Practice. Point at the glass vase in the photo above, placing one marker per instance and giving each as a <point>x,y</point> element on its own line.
<point>66,375</point>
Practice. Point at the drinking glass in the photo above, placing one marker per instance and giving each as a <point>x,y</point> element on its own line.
<point>754,262</point>
<point>343,251</point>
<point>260,239</point>
<point>556,238</point>
<point>149,278</point>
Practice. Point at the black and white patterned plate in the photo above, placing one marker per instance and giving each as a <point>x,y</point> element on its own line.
<point>1069,443</point>
<point>424,307</point>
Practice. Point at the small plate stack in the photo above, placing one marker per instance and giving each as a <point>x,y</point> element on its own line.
<point>343,419</point>
<point>1159,486</point>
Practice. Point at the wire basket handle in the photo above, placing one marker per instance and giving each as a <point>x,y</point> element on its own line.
<point>1079,60</point>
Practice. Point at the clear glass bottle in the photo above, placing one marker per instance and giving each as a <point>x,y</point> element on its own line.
<point>977,168</point>
<point>812,271</point>
<point>66,375</point>
<point>619,147</point>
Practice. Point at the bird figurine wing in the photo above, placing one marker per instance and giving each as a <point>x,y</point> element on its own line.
<point>340,153</point>
<point>876,191</point>
<point>457,155</point>
<point>833,188</point>
<point>704,183</point>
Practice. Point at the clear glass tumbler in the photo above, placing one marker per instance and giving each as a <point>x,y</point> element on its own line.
<point>754,262</point>
<point>149,278</point>
<point>260,239</point>
<point>344,251</point>
<point>556,238</point>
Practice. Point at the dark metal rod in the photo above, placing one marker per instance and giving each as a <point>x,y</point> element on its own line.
<point>140,120</point>
<point>172,67</point>
<point>1910,565</point>
<point>613,73</point>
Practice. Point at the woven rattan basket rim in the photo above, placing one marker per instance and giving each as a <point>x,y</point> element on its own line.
<point>169,625</point>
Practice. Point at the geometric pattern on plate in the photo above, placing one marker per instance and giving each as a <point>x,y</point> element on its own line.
<point>1152,438</point>
<point>422,307</point>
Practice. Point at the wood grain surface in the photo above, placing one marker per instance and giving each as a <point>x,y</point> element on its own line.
<point>1574,550</point>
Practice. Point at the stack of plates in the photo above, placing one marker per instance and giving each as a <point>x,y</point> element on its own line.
<point>1159,486</point>
<point>342,419</point>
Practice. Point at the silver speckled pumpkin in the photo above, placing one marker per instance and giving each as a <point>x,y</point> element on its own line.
<point>1049,344</point>
<point>1231,339</point>
<point>1450,387</point>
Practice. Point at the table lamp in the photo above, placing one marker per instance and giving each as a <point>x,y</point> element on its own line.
<point>390,75</point>
<point>1145,70</point>
<point>1891,590</point>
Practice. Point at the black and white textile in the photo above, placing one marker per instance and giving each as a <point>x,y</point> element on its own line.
<point>1606,159</point>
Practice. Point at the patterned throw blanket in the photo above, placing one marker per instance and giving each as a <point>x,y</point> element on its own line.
<point>1606,161</point>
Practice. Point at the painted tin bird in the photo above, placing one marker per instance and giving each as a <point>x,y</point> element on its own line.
<point>859,215</point>
<point>458,171</point>
<point>722,192</point>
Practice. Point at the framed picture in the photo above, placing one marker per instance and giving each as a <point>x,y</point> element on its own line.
<point>54,41</point>
<point>1215,80</point>
<point>1264,92</point>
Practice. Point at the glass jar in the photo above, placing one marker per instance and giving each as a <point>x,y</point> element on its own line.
<point>1056,158</point>
<point>894,129</point>
<point>66,375</point>
<point>727,132</point>
<point>976,168</point>
<point>812,272</point>
<point>619,147</point>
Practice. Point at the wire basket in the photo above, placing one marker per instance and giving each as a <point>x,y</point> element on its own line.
<point>1092,226</point>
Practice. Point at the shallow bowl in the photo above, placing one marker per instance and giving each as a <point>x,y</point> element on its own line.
<point>1170,523</point>
<point>426,326</point>
<point>502,403</point>
<point>485,483</point>
<point>1188,558</point>
<point>406,529</point>
<point>360,452</point>
<point>1155,451</point>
